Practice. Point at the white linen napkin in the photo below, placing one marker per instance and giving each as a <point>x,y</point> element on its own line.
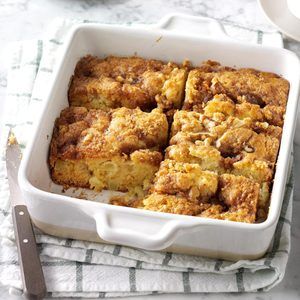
<point>82,269</point>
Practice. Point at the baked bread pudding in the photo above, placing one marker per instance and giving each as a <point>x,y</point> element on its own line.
<point>264,90</point>
<point>117,150</point>
<point>129,82</point>
<point>217,157</point>
<point>203,193</point>
<point>234,146</point>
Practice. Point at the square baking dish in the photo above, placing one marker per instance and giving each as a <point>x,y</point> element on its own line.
<point>57,213</point>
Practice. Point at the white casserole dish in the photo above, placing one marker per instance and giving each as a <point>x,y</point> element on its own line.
<point>58,214</point>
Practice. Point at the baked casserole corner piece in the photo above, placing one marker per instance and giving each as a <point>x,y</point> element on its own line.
<point>263,92</point>
<point>184,188</point>
<point>129,82</point>
<point>117,150</point>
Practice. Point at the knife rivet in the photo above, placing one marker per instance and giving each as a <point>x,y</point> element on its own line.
<point>21,213</point>
<point>25,241</point>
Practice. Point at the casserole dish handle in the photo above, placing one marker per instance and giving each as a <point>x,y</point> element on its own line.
<point>192,25</point>
<point>120,227</point>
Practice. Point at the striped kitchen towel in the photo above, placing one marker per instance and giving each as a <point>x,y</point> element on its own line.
<point>75,268</point>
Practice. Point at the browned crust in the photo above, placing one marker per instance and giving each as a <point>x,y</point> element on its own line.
<point>127,82</point>
<point>68,183</point>
<point>82,134</point>
<point>229,146</point>
<point>173,204</point>
<point>267,90</point>
<point>240,195</point>
<point>184,188</point>
<point>185,179</point>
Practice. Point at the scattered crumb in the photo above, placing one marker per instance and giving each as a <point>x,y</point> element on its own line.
<point>118,200</point>
<point>159,39</point>
<point>126,200</point>
<point>82,195</point>
<point>187,64</point>
<point>12,140</point>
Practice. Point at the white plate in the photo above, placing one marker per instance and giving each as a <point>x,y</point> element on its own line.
<point>279,15</point>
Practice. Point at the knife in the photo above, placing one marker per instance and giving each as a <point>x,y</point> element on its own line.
<point>31,270</point>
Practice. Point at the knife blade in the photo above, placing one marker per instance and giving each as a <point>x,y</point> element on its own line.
<point>31,270</point>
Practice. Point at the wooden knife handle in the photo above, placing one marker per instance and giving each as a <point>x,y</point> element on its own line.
<point>29,259</point>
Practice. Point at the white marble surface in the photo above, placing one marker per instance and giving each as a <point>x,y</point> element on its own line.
<point>27,19</point>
